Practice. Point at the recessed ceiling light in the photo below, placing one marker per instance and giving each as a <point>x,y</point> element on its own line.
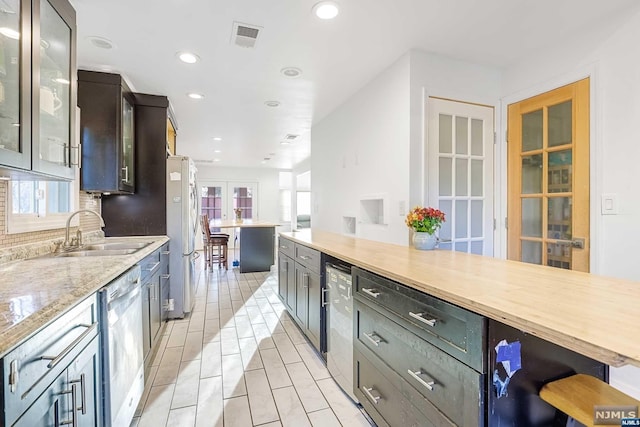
<point>217,138</point>
<point>272,103</point>
<point>188,57</point>
<point>195,95</point>
<point>62,81</point>
<point>217,151</point>
<point>285,142</point>
<point>9,32</point>
<point>263,162</point>
<point>326,9</point>
<point>101,42</point>
<point>291,72</point>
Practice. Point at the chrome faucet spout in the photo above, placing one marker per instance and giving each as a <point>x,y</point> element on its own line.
<point>78,241</point>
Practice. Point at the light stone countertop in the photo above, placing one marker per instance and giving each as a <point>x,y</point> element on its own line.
<point>36,291</point>
<point>592,315</point>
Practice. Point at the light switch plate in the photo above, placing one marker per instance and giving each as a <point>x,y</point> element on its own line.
<point>609,204</point>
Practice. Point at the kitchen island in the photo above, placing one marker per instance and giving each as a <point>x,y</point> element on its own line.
<point>257,240</point>
<point>456,317</point>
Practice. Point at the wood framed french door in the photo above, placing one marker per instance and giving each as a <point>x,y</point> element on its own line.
<point>548,178</point>
<point>460,173</point>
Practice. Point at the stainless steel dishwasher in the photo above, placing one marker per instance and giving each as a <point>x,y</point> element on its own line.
<point>340,326</point>
<point>122,361</point>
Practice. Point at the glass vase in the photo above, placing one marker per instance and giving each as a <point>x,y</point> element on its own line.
<point>424,241</point>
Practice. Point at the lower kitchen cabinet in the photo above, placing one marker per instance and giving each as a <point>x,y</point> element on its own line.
<point>300,287</point>
<point>155,286</point>
<point>53,378</point>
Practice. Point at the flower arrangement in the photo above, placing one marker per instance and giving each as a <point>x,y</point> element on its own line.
<point>426,220</point>
<point>238,212</point>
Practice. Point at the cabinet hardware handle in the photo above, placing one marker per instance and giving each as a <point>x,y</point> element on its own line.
<point>324,302</point>
<point>370,395</point>
<point>153,266</point>
<point>126,174</point>
<point>304,257</point>
<point>371,292</point>
<point>428,384</point>
<point>166,276</point>
<point>166,252</point>
<point>73,421</point>
<point>13,376</point>
<point>78,158</point>
<point>305,282</point>
<point>284,247</point>
<point>83,401</point>
<point>376,341</point>
<point>418,316</point>
<point>56,359</point>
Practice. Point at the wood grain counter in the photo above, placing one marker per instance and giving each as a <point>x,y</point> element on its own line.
<point>596,316</point>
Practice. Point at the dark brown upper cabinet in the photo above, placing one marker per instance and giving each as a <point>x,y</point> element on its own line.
<point>107,133</point>
<point>38,89</point>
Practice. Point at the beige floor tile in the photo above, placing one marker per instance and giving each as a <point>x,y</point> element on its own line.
<point>308,391</point>
<point>250,356</point>
<point>169,366</point>
<point>193,346</point>
<point>235,294</point>
<point>209,411</point>
<point>156,411</point>
<point>211,365</point>
<point>211,311</point>
<point>323,418</point>
<point>178,334</point>
<point>147,389</point>
<point>342,406</point>
<point>293,331</point>
<point>226,318</point>
<point>313,362</point>
<point>232,376</point>
<point>291,411</point>
<point>276,372</point>
<point>287,351</point>
<point>164,339</point>
<point>273,424</point>
<point>182,417</point>
<point>211,330</point>
<point>255,315</point>
<point>243,326</point>
<point>263,407</point>
<point>229,341</point>
<point>186,391</point>
<point>196,322</point>
<point>236,412</point>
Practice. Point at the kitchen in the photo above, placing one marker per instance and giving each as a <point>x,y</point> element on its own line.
<point>386,108</point>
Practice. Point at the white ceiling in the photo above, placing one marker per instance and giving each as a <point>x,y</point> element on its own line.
<point>337,57</point>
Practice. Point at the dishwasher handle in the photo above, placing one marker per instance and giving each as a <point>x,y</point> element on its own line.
<point>56,359</point>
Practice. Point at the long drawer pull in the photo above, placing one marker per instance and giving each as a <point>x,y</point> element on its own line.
<point>152,267</point>
<point>418,316</point>
<point>166,276</point>
<point>56,359</point>
<point>376,341</point>
<point>370,395</point>
<point>83,399</point>
<point>324,302</point>
<point>304,257</point>
<point>371,292</point>
<point>73,422</point>
<point>305,280</point>
<point>284,247</point>
<point>428,384</point>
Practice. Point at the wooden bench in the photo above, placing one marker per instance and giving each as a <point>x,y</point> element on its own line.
<point>578,394</point>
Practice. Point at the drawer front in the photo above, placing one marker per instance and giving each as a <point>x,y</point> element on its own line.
<point>150,264</point>
<point>389,400</point>
<point>286,246</point>
<point>39,360</point>
<point>308,257</point>
<point>453,387</point>
<point>455,330</point>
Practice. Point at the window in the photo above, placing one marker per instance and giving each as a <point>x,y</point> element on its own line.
<point>39,205</point>
<point>284,183</point>
<point>212,202</point>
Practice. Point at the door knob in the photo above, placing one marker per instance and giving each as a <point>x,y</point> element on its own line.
<point>577,243</point>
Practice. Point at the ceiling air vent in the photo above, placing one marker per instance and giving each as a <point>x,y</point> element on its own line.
<point>203,161</point>
<point>290,137</point>
<point>245,35</point>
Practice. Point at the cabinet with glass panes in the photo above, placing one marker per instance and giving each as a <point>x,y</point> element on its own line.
<point>37,88</point>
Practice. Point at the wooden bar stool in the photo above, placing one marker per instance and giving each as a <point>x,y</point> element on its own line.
<point>578,394</point>
<point>215,245</point>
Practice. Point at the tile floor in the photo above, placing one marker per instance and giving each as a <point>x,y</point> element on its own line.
<point>240,360</point>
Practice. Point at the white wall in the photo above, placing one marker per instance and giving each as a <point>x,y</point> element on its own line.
<point>268,186</point>
<point>611,57</point>
<point>362,148</point>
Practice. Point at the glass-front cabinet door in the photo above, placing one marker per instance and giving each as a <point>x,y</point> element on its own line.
<point>127,149</point>
<point>15,77</point>
<point>53,83</point>
<point>37,86</point>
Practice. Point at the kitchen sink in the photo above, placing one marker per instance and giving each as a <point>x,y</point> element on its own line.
<point>114,246</point>
<point>96,252</point>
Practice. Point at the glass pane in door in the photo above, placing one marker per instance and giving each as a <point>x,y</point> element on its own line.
<point>127,142</point>
<point>559,218</point>
<point>532,174</point>
<point>531,252</point>
<point>55,87</point>
<point>560,171</point>
<point>243,200</point>
<point>560,124</point>
<point>10,119</point>
<point>532,131</point>
<point>532,217</point>
<point>212,202</point>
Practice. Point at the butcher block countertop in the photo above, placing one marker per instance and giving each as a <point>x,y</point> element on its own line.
<point>35,291</point>
<point>596,316</point>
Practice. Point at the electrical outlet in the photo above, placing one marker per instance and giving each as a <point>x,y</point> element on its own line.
<point>172,305</point>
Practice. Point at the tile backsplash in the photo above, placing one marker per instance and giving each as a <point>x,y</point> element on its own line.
<point>87,222</point>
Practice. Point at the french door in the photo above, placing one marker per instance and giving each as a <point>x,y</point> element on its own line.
<point>221,198</point>
<point>460,173</point>
<point>548,178</point>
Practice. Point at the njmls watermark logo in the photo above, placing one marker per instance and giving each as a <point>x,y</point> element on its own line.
<point>614,415</point>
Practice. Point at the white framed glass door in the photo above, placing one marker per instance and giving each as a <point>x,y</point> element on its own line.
<point>221,198</point>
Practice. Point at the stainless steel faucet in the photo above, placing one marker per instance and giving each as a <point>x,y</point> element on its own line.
<point>76,242</point>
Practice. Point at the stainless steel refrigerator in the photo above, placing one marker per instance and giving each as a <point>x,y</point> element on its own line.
<point>182,224</point>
